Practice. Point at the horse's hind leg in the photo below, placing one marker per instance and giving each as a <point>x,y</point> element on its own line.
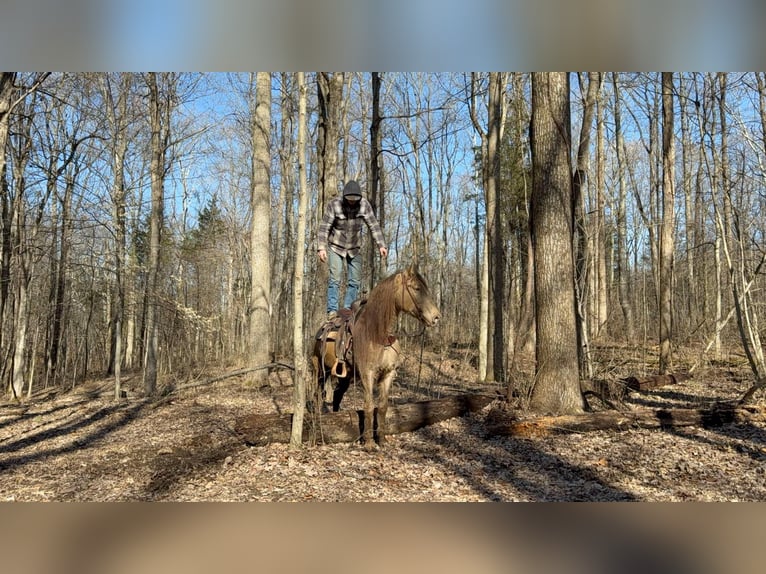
<point>340,391</point>
<point>383,389</point>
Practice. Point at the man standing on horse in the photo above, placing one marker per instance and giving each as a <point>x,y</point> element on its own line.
<point>341,231</point>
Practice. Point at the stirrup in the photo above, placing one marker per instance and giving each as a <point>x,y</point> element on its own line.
<point>339,369</point>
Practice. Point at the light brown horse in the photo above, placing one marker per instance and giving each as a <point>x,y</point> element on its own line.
<point>376,353</point>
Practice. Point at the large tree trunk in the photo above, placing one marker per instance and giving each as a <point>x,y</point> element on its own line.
<point>557,387</point>
<point>157,164</point>
<point>260,244</point>
<point>346,426</point>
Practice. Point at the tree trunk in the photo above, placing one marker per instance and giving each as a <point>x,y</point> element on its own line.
<point>7,80</point>
<point>260,234</point>
<point>557,387</point>
<point>601,290</point>
<point>496,122</point>
<point>376,195</point>
<point>21,322</point>
<point>667,225</point>
<point>116,111</point>
<point>732,245</point>
<point>299,352</point>
<point>346,426</point>
<point>60,274</point>
<point>329,96</point>
<point>622,267</point>
<point>157,174</point>
<point>581,242</point>
<point>283,267</point>
<point>692,303</point>
<point>501,423</point>
<point>492,288</point>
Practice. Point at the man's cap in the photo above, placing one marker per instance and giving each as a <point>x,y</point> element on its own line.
<point>352,189</point>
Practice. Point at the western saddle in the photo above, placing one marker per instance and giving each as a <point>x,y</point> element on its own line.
<point>339,329</point>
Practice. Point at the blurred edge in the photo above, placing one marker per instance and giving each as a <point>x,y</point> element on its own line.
<point>396,35</point>
<point>377,538</point>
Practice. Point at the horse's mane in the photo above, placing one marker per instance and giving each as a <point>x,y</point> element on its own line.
<point>379,312</point>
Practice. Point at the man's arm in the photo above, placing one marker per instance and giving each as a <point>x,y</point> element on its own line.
<point>324,227</point>
<point>372,223</point>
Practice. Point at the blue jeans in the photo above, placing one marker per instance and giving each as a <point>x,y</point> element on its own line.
<point>354,268</point>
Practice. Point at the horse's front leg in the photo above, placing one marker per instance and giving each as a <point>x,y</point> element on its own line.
<point>385,386</point>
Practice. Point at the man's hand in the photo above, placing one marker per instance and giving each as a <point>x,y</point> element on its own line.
<point>383,252</point>
<point>322,255</point>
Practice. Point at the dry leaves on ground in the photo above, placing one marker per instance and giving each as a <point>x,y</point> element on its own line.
<point>81,445</point>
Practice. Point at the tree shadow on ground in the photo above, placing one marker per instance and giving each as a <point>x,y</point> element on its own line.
<point>745,432</point>
<point>659,398</point>
<point>116,415</point>
<point>54,409</point>
<point>194,457</point>
<point>496,461</point>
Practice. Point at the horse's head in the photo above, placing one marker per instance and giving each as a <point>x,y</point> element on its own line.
<point>416,297</point>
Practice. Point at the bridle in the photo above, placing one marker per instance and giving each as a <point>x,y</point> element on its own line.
<point>418,310</point>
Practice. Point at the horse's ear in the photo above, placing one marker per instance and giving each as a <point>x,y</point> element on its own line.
<point>413,268</point>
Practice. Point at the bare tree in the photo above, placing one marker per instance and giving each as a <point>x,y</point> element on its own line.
<point>7,80</point>
<point>26,220</point>
<point>491,332</point>
<point>160,134</point>
<point>598,232</point>
<point>582,242</point>
<point>117,115</point>
<point>557,388</point>
<point>729,223</point>
<point>299,351</point>
<point>622,267</point>
<point>667,225</point>
<point>12,219</point>
<point>376,161</point>
<point>260,244</point>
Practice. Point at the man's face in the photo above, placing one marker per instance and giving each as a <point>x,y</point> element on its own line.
<point>352,199</point>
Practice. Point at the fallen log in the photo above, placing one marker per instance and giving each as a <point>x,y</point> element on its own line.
<point>655,381</point>
<point>501,423</point>
<point>346,426</point>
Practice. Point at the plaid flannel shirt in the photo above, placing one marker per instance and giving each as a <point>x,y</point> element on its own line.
<point>343,235</point>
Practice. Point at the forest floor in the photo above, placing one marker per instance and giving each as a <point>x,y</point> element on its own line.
<point>81,445</point>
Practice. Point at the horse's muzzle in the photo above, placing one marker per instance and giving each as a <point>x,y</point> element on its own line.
<point>431,321</point>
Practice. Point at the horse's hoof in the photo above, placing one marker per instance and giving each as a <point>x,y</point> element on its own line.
<point>370,446</point>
